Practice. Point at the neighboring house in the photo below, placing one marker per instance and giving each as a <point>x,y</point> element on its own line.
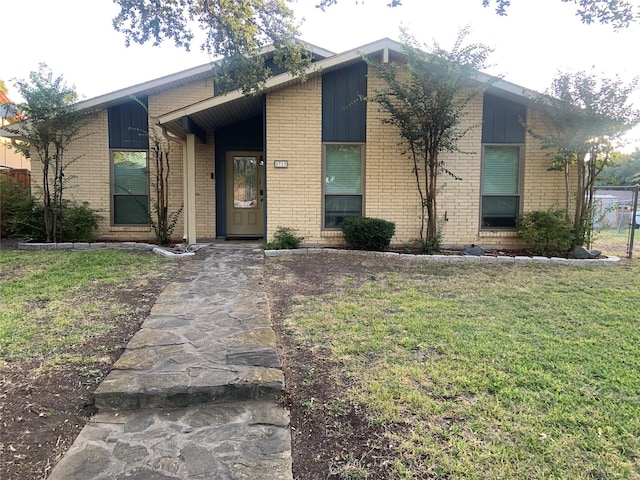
<point>9,158</point>
<point>304,155</point>
<point>613,208</point>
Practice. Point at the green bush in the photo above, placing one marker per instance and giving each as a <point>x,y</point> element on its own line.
<point>19,212</point>
<point>423,246</point>
<point>284,239</point>
<point>546,232</point>
<point>79,221</point>
<point>23,215</point>
<point>362,233</point>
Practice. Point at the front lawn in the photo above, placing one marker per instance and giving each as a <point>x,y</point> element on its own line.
<point>462,371</point>
<point>65,317</point>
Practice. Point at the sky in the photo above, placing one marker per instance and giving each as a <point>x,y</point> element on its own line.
<point>76,39</point>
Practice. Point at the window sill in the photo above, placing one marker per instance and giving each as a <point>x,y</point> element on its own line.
<point>497,233</point>
<point>331,233</point>
<point>130,228</point>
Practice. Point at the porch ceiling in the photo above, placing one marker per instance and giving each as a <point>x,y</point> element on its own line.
<point>213,113</point>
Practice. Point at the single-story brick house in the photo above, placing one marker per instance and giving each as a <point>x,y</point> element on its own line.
<point>295,156</point>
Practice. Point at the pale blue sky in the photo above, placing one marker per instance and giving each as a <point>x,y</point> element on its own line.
<point>76,39</point>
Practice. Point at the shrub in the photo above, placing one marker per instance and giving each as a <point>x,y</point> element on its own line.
<point>78,222</point>
<point>284,239</point>
<point>20,213</point>
<point>362,233</point>
<point>23,215</point>
<point>546,232</point>
<point>424,246</point>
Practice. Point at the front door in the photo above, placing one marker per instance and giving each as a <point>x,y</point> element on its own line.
<point>245,194</point>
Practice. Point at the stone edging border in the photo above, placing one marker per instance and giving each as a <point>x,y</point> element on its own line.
<point>609,261</point>
<point>91,246</point>
<point>85,246</point>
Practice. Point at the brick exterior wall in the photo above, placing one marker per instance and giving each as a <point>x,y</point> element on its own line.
<point>294,129</point>
<point>92,173</point>
<point>294,194</point>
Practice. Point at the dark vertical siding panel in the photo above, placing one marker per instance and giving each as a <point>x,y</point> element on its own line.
<point>343,115</point>
<point>501,120</point>
<point>128,125</point>
<point>328,106</point>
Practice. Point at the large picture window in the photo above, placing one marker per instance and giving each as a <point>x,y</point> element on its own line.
<point>501,170</point>
<point>130,188</point>
<point>343,168</point>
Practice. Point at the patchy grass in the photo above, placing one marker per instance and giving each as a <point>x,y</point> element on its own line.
<point>614,242</point>
<point>487,371</point>
<point>51,301</point>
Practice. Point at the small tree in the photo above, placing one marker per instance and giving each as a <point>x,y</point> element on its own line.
<point>52,124</point>
<point>427,102</point>
<point>161,220</point>
<point>586,116</point>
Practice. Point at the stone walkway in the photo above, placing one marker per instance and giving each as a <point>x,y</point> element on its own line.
<point>194,394</point>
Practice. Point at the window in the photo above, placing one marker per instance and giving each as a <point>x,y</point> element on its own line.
<point>343,183</point>
<point>500,186</point>
<point>130,188</point>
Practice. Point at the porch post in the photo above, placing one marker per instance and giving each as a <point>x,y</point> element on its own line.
<point>190,188</point>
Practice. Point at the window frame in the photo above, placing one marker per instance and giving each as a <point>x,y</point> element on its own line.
<point>520,183</point>
<point>362,146</point>
<point>112,186</point>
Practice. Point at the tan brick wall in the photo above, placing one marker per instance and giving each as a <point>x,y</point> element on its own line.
<point>178,97</point>
<point>205,190</point>
<point>294,116</point>
<point>295,195</point>
<point>92,174</point>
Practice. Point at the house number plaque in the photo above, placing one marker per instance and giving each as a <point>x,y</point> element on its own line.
<point>281,163</point>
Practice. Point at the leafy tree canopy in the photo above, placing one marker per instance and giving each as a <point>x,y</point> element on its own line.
<point>427,102</point>
<point>235,30</point>
<point>618,13</point>
<point>586,116</point>
<point>52,123</point>
<point>3,87</point>
<point>625,171</point>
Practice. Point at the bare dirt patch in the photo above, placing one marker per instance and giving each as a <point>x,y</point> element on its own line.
<point>331,437</point>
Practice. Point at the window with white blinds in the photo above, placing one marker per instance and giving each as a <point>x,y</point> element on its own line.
<point>343,183</point>
<point>501,170</point>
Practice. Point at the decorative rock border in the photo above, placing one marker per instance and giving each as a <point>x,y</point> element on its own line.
<point>609,261</point>
<point>86,246</point>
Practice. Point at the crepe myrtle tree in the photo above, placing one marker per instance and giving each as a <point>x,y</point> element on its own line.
<point>586,117</point>
<point>50,123</point>
<point>427,102</point>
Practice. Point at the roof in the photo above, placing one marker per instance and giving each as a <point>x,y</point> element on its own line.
<point>227,109</point>
<point>7,108</point>
<point>222,110</point>
<point>172,81</point>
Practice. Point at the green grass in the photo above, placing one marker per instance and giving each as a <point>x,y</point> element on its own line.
<point>51,301</point>
<point>494,371</point>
